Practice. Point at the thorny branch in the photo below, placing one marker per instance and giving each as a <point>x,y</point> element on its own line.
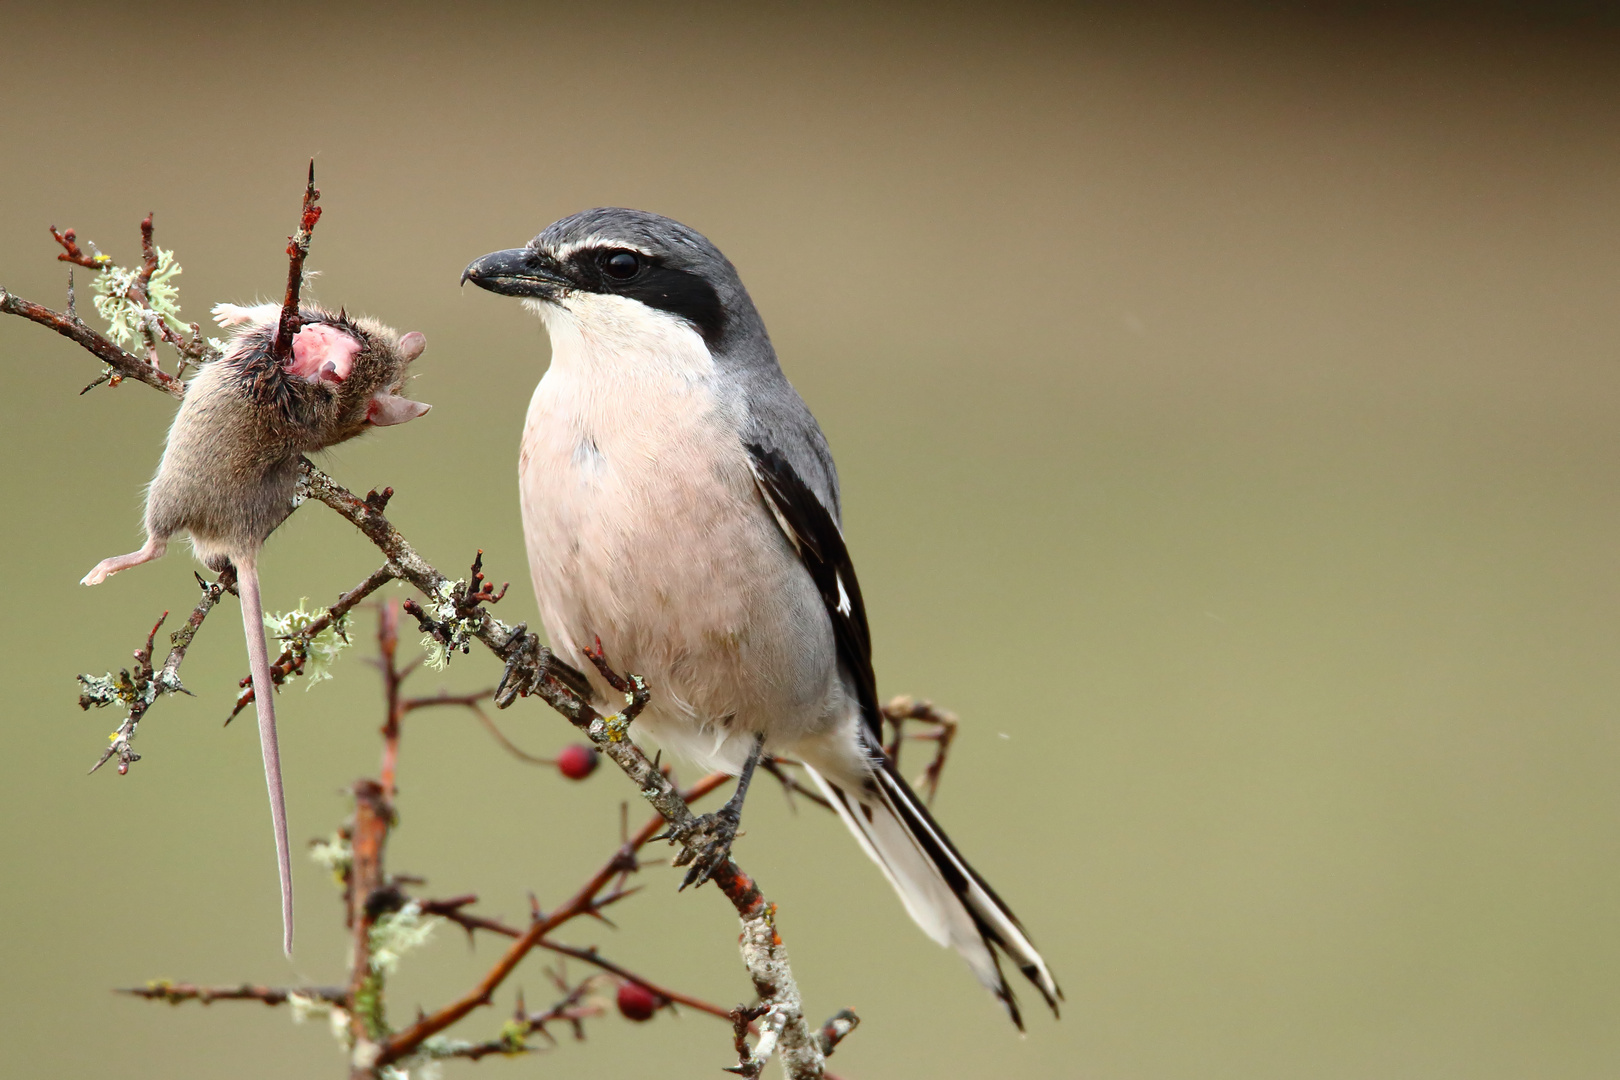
<point>153,326</point>
<point>138,690</point>
<point>574,1008</point>
<point>292,658</point>
<point>174,993</point>
<point>454,614</point>
<point>123,363</point>
<point>297,252</point>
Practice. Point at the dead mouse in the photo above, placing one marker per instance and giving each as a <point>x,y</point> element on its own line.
<point>231,462</point>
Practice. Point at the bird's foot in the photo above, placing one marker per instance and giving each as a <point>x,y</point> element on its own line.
<point>708,838</point>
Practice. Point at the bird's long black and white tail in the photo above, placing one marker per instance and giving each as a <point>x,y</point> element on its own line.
<point>942,893</point>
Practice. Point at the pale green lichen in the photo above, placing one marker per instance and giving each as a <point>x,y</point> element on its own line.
<point>461,636</point>
<point>398,933</point>
<point>443,1046</point>
<point>123,690</point>
<point>336,855</point>
<point>425,1063</point>
<point>305,1009</point>
<point>105,690</point>
<point>443,613</point>
<point>514,1035</point>
<point>438,654</point>
<point>339,1023</point>
<point>368,1006</point>
<point>445,599</point>
<point>413,1069</point>
<point>319,650</point>
<point>388,940</point>
<point>125,319</point>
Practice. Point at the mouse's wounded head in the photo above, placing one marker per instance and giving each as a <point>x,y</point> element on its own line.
<point>344,375</point>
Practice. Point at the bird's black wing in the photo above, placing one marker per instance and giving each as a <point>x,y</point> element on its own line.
<point>814,534</point>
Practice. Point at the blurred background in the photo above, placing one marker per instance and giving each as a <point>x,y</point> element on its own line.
<point>1228,407</point>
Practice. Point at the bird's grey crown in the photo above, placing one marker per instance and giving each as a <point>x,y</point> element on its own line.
<point>677,245</point>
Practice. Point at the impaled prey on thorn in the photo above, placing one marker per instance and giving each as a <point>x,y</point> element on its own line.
<point>231,463</point>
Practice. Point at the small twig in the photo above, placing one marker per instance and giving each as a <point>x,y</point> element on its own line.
<point>292,658</point>
<point>478,591</point>
<point>368,836</point>
<point>833,1031</point>
<point>572,1009</point>
<point>907,708</point>
<point>297,252</point>
<point>466,600</point>
<point>584,902</point>
<point>139,689</point>
<point>149,262</point>
<point>742,1025</point>
<point>473,704</point>
<point>124,364</point>
<point>393,679</point>
<point>175,993</point>
<point>71,253</point>
<point>181,639</point>
<point>109,377</point>
<point>591,956</point>
<point>531,667</point>
<point>771,1022</point>
<point>790,784</point>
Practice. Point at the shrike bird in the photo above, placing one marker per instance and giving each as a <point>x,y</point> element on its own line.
<point>681,506</point>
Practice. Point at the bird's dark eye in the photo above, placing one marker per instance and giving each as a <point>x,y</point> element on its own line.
<point>622,265</point>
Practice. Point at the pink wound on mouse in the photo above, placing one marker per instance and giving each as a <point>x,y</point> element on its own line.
<point>323,353</point>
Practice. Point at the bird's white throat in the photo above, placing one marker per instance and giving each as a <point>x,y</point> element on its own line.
<point>595,336</point>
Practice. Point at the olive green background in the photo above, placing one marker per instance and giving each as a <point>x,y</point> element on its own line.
<point>1228,407</point>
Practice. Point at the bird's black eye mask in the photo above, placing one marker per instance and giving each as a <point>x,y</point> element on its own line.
<point>618,271</point>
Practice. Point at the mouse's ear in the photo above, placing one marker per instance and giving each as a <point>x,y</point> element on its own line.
<point>322,353</point>
<point>386,410</point>
<point>411,346</point>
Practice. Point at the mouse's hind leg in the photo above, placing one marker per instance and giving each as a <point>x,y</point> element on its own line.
<point>106,568</point>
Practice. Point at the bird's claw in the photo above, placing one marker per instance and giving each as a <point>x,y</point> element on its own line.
<point>708,838</point>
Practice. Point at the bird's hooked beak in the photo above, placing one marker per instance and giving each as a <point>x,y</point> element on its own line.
<point>518,272</point>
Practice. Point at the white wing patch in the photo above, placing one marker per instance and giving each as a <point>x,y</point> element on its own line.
<point>782,522</point>
<point>843,595</point>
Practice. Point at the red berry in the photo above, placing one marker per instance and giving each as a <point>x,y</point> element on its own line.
<point>637,1003</point>
<point>577,762</point>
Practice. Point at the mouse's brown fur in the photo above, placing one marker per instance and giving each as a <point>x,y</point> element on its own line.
<point>231,464</point>
<point>231,461</point>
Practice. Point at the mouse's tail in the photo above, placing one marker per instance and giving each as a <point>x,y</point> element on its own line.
<point>264,703</point>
